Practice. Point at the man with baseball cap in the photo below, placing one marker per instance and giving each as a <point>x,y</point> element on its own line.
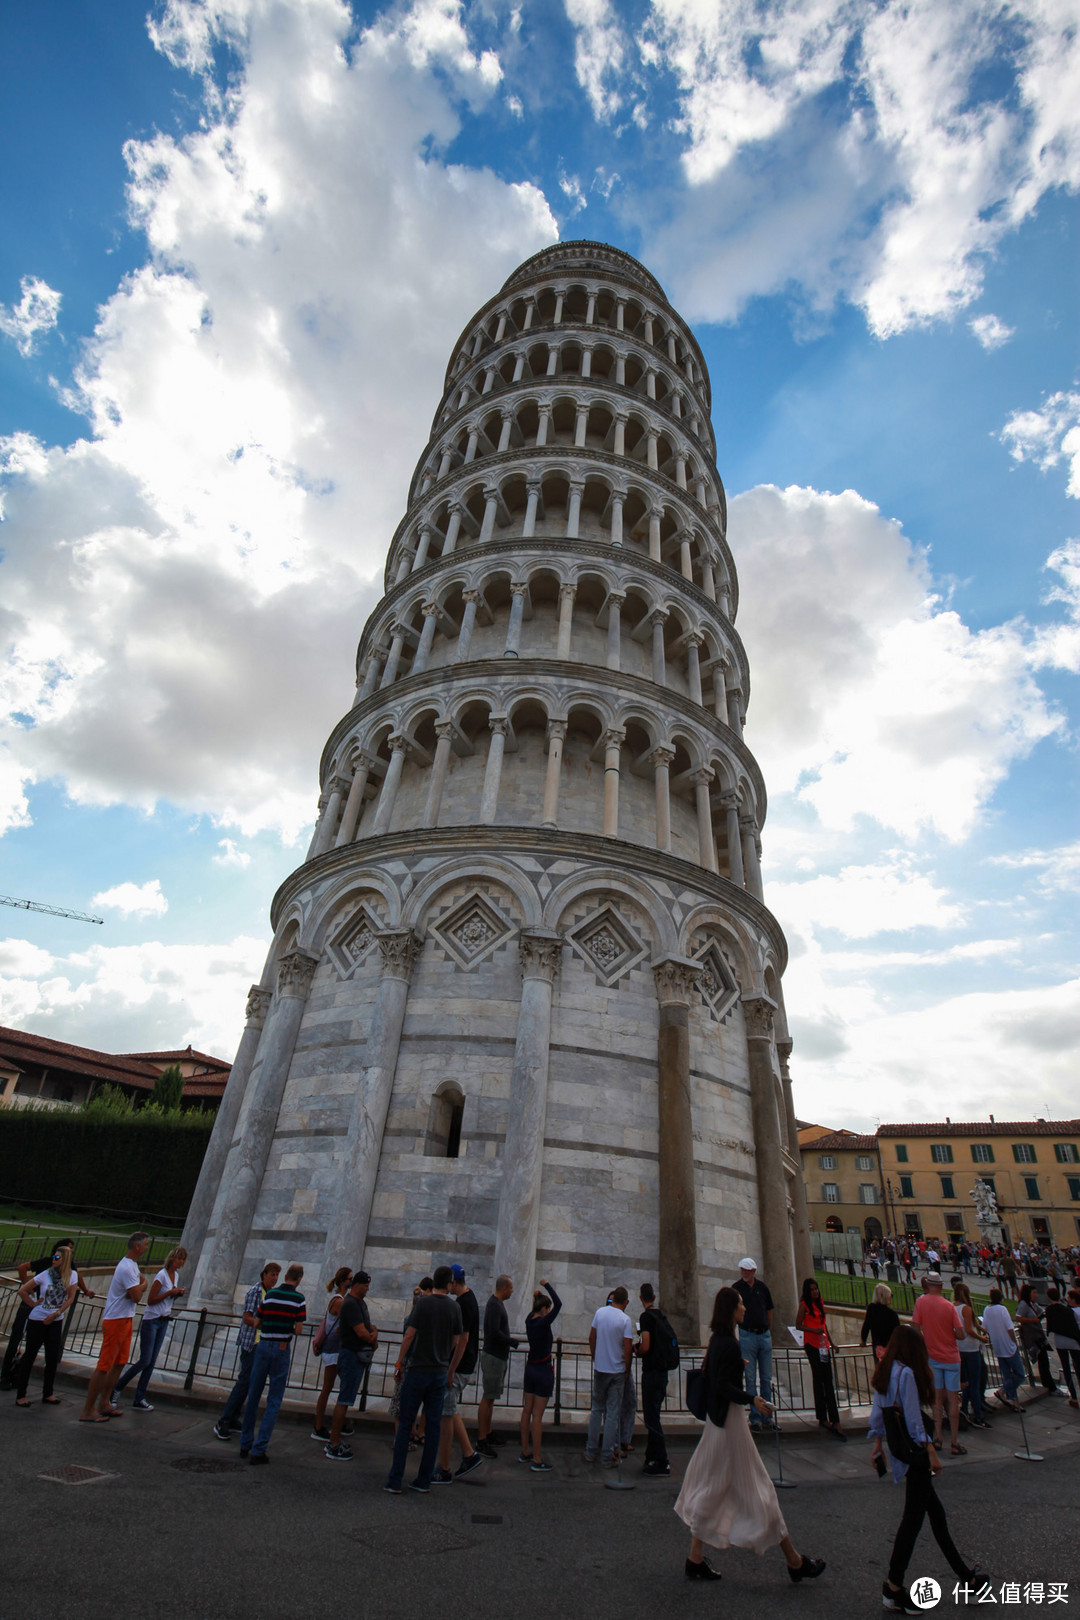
<point>755,1336</point>
<point>356,1346</point>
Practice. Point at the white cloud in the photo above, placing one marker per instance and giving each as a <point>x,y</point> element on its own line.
<point>861,901</point>
<point>185,587</point>
<point>991,332</point>
<point>232,854</point>
<point>1057,869</point>
<point>132,998</point>
<point>1047,435</point>
<point>874,152</point>
<point>133,900</point>
<point>36,312</point>
<point>839,612</point>
<point>600,53</point>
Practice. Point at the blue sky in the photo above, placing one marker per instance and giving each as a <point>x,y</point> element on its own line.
<point>240,238</point>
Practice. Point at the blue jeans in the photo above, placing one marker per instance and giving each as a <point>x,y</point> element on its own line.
<point>426,1389</point>
<point>756,1349</point>
<point>971,1374</point>
<point>607,1399</point>
<point>150,1336</point>
<point>653,1390</point>
<point>1012,1374</point>
<point>238,1394</point>
<point>271,1361</point>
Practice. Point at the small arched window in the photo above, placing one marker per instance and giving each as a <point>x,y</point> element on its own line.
<point>443,1139</point>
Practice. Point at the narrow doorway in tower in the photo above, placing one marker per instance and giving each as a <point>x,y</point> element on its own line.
<point>445,1115</point>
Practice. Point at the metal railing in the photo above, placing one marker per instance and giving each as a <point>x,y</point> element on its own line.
<point>91,1248</point>
<point>203,1345</point>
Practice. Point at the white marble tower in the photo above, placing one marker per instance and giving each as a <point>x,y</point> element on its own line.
<point>523,1003</point>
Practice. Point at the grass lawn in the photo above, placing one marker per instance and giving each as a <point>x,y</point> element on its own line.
<point>839,1289</point>
<point>25,1233</point>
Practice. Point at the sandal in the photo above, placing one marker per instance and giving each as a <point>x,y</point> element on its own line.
<point>958,1451</point>
<point>51,1400</point>
<point>936,1445</point>
<point>26,1404</point>
<point>97,1418</point>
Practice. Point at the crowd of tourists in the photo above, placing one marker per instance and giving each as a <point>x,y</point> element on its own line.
<point>1004,1263</point>
<point>727,1499</point>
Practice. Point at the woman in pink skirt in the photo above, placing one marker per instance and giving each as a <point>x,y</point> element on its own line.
<point>727,1498</point>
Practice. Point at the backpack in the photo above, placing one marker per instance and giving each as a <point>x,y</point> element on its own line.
<point>663,1345</point>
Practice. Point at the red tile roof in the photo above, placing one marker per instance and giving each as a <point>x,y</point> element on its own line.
<point>841,1141</point>
<point>984,1127</point>
<point>124,1069</point>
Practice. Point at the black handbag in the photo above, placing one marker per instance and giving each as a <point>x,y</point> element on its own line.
<point>903,1448</point>
<point>697,1393</point>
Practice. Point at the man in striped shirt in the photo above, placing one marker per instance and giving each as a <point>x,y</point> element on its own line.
<point>281,1314</point>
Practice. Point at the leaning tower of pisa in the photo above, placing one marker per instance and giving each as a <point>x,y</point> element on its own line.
<point>523,1007</point>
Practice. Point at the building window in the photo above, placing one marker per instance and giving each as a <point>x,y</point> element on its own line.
<point>1066,1153</point>
<point>830,1192</point>
<point>1074,1188</point>
<point>947,1188</point>
<point>826,1161</point>
<point>906,1190</point>
<point>1031,1187</point>
<point>982,1152</point>
<point>864,1161</point>
<point>833,1223</point>
<point>941,1152</point>
<point>901,1153</point>
<point>1041,1227</point>
<point>867,1193</point>
<point>1023,1153</point>
<point>913,1225</point>
<point>443,1139</point>
<point>954,1221</point>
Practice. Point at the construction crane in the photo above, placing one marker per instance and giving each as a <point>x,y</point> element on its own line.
<point>49,911</point>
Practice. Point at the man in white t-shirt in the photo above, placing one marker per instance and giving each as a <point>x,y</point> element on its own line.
<point>125,1291</point>
<point>611,1340</point>
<point>998,1327</point>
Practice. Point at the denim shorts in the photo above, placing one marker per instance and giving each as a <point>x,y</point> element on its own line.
<point>454,1394</point>
<point>350,1376</point>
<point>946,1375</point>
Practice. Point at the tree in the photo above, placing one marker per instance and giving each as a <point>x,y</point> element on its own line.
<point>168,1088</point>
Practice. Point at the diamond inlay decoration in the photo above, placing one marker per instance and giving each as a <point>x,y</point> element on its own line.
<point>607,944</point>
<point>472,930</point>
<point>717,985</point>
<point>354,942</point>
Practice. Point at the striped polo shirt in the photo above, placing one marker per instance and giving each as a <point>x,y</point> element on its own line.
<point>281,1311</point>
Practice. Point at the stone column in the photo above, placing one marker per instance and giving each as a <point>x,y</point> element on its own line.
<point>730,805</point>
<point>553,360</point>
<point>391,781</point>
<point>507,418</point>
<point>239,1193</point>
<point>444,731</point>
<point>491,507</point>
<point>470,448</point>
<point>621,420</point>
<point>354,804</point>
<point>676,978</point>
<point>422,548</point>
<point>613,741</point>
<point>573,516</point>
<point>751,861</point>
<point>371,674</point>
<point>360,1160</point>
<point>581,424</point>
<point>566,619</point>
<point>430,611</point>
<point>660,759</point>
<point>543,413</point>
<point>706,842</point>
<point>734,700</point>
<point>489,797</point>
<point>586,360</point>
<point>655,515</point>
<point>468,621</point>
<point>556,735</point>
<point>523,1154</point>
<point>651,441</point>
<point>693,667</point>
<point>517,613</point>
<point>528,528</point>
<point>221,1138</point>
<point>686,560</point>
<point>453,529</point>
<point>719,682</point>
<point>617,519</point>
<point>708,579</point>
<point>804,1259</point>
<point>329,819</point>
<point>657,620</point>
<point>389,673</point>
<point>317,834</point>
<point>680,470</point>
<point>614,628</point>
<point>776,1259</point>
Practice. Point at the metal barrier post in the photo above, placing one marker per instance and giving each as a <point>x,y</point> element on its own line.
<point>362,1403</point>
<point>190,1376</point>
<point>558,1382</point>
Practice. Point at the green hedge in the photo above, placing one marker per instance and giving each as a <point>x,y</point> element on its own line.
<point>140,1164</point>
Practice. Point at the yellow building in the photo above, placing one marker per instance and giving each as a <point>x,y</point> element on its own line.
<point>842,1173</point>
<point>1033,1166</point>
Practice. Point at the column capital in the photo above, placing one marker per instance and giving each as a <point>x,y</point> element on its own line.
<point>693,638</point>
<point>429,609</point>
<point>618,495</point>
<point>758,1012</point>
<point>567,591</point>
<point>258,1005</point>
<point>519,587</point>
<point>398,628</point>
<point>618,597</point>
<point>539,952</point>
<point>471,596</point>
<point>444,728</point>
<point>399,948</point>
<point>575,482</point>
<point>379,654</point>
<point>340,784</point>
<point>748,823</point>
<point>498,724</point>
<point>614,738</point>
<point>399,742</point>
<point>729,801</point>
<point>557,729</point>
<point>677,977</point>
<point>545,407</point>
<point>657,616</point>
<point>703,774</point>
<point>661,757</point>
<point>295,973</point>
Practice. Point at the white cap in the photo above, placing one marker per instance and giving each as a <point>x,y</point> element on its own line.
<point>747,1264</point>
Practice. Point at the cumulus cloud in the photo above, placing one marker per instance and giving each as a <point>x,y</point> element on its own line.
<point>185,586</point>
<point>1048,435</point>
<point>839,613</point>
<point>133,899</point>
<point>231,854</point>
<point>1056,869</point>
<point>600,53</point>
<point>132,997</point>
<point>37,312</point>
<point>990,332</point>
<point>873,152</point>
<point>861,901</point>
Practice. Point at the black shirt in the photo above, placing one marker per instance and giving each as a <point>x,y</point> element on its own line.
<point>470,1318</point>
<point>352,1315</point>
<point>758,1301</point>
<point>650,1323</point>
<point>437,1320</point>
<point>724,1377</point>
<point>497,1340</point>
